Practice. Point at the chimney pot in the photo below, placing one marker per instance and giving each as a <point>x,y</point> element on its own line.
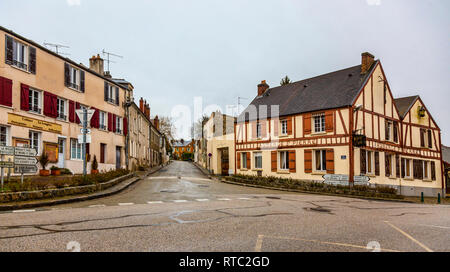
<point>262,87</point>
<point>96,64</point>
<point>367,60</point>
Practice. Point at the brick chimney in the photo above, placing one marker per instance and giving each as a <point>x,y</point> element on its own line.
<point>141,104</point>
<point>147,110</point>
<point>156,122</point>
<point>262,88</point>
<point>96,64</point>
<point>367,60</point>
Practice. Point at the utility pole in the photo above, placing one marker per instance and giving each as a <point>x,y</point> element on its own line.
<point>84,140</point>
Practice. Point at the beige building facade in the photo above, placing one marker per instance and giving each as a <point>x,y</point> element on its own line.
<point>40,92</point>
<point>345,123</point>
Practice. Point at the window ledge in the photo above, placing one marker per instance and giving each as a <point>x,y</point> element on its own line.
<point>20,69</point>
<point>243,169</point>
<point>281,171</point>
<point>257,169</point>
<point>319,133</point>
<point>114,104</point>
<point>6,107</point>
<point>427,180</point>
<point>283,136</point>
<point>73,89</point>
<point>319,173</point>
<point>408,178</point>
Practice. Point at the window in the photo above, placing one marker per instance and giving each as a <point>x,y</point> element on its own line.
<point>34,140</point>
<point>426,170</point>
<point>389,163</point>
<point>319,122</point>
<point>3,136</point>
<point>118,124</point>
<point>61,108</point>
<point>284,160</point>
<point>320,159</point>
<point>408,168</point>
<point>102,153</point>
<point>74,78</point>
<point>75,149</point>
<point>370,162</point>
<point>34,101</point>
<point>103,120</point>
<point>258,160</point>
<point>20,55</point>
<point>244,160</point>
<point>388,131</point>
<point>425,138</point>
<point>111,94</point>
<point>258,130</point>
<point>284,127</point>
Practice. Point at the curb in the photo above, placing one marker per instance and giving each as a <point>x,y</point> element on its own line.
<point>316,193</point>
<point>96,195</point>
<point>203,170</point>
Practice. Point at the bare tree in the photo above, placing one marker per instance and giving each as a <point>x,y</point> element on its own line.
<point>167,127</point>
<point>197,130</point>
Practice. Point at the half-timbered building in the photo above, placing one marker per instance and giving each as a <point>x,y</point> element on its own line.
<point>345,123</point>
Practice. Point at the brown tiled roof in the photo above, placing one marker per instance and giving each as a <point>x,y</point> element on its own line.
<point>333,90</point>
<point>404,104</point>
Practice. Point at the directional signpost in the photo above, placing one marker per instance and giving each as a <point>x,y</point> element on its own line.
<point>85,116</point>
<point>344,180</point>
<point>24,160</point>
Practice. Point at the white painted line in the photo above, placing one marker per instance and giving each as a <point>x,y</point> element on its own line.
<point>180,201</point>
<point>434,226</point>
<point>23,211</point>
<point>154,202</point>
<point>259,242</point>
<point>244,198</point>
<point>97,206</point>
<point>202,199</point>
<point>224,199</point>
<point>125,204</point>
<point>409,237</point>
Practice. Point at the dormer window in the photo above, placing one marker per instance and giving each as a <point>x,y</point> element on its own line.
<point>111,94</point>
<point>73,77</point>
<point>20,55</point>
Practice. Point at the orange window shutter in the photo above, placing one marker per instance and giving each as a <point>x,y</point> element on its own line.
<point>248,160</point>
<point>308,161</point>
<point>289,125</point>
<point>238,160</point>
<point>273,157</point>
<point>330,161</point>
<point>292,167</point>
<point>307,124</point>
<point>329,121</point>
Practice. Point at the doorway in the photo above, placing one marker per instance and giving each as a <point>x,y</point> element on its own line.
<point>118,157</point>
<point>224,161</point>
<point>61,149</point>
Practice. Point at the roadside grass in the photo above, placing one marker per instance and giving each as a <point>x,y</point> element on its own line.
<point>35,183</point>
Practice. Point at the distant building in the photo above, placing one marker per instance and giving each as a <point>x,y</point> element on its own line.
<point>182,147</point>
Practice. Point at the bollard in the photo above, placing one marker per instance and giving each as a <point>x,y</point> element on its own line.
<point>421,197</point>
<point>439,198</point>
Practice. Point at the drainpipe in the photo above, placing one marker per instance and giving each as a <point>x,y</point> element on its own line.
<point>127,105</point>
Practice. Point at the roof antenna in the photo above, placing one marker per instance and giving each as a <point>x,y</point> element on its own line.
<point>56,46</point>
<point>107,58</point>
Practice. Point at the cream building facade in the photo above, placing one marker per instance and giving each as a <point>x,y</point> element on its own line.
<point>40,91</point>
<point>344,123</point>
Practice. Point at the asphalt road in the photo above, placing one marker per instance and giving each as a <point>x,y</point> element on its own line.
<point>179,209</point>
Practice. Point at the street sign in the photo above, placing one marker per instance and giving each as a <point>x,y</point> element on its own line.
<point>25,169</point>
<point>25,160</point>
<point>25,151</point>
<point>6,164</point>
<point>361,178</point>
<point>80,114</point>
<point>344,180</point>
<point>359,140</point>
<point>80,139</point>
<point>6,150</point>
<point>88,130</point>
<point>335,177</point>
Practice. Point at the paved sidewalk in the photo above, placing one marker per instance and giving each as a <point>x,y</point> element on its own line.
<point>83,197</point>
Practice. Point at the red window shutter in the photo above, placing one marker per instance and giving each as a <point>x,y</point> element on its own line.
<point>24,97</point>
<point>55,105</point>
<point>249,166</point>
<point>289,125</point>
<point>292,163</point>
<point>6,91</point>
<point>71,111</point>
<point>114,123</point>
<point>307,124</point>
<point>329,121</point>
<point>92,122</point>
<point>308,161</point>
<point>273,157</point>
<point>377,163</point>
<point>47,104</point>
<point>125,126</point>
<point>110,121</point>
<point>330,161</point>
<point>238,160</point>
<point>433,170</point>
<point>78,106</point>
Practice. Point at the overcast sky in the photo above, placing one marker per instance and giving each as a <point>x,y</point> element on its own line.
<point>219,50</point>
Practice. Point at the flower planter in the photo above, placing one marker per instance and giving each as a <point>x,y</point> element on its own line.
<point>43,172</point>
<point>93,172</point>
<point>56,172</point>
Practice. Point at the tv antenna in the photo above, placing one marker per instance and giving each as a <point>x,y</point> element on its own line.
<point>108,54</point>
<point>239,103</point>
<point>56,46</point>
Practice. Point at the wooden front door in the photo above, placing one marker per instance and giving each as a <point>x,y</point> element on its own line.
<point>225,162</point>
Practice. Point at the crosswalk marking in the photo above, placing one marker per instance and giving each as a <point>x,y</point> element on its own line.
<point>23,211</point>
<point>97,206</point>
<point>180,200</point>
<point>125,204</point>
<point>244,198</point>
<point>223,199</point>
<point>202,199</point>
<point>154,202</point>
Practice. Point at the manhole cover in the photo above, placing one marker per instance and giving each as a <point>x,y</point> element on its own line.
<point>169,191</point>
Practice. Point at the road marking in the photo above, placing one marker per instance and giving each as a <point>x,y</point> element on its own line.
<point>154,202</point>
<point>327,243</point>
<point>97,206</point>
<point>23,211</point>
<point>259,242</point>
<point>410,237</point>
<point>224,199</point>
<point>434,226</point>
<point>202,199</point>
<point>125,204</point>
<point>244,198</point>
<point>180,201</point>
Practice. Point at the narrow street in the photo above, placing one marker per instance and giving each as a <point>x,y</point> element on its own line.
<point>179,209</point>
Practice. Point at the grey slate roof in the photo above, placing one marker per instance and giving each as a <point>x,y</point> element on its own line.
<point>179,144</point>
<point>333,90</point>
<point>404,104</point>
<point>446,154</point>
